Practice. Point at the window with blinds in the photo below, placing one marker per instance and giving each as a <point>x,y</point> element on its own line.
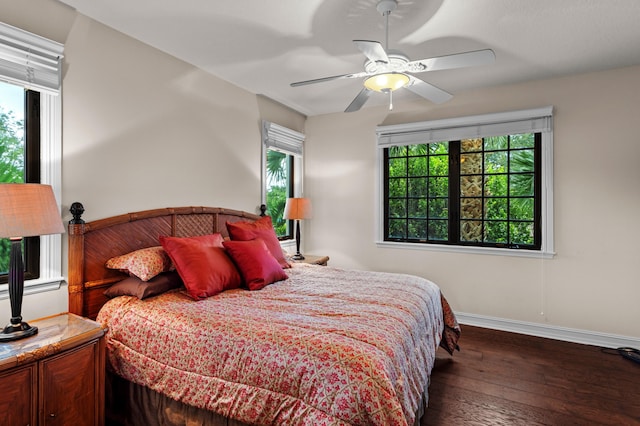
<point>282,172</point>
<point>481,182</point>
<point>30,138</point>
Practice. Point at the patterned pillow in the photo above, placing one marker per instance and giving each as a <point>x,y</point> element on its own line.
<point>261,228</point>
<point>145,263</point>
<point>255,262</point>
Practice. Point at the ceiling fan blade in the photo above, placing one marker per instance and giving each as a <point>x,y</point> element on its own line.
<point>458,60</point>
<point>359,100</point>
<point>428,91</point>
<point>322,80</point>
<point>373,50</point>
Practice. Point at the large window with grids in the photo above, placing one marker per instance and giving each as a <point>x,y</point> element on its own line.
<point>486,186</point>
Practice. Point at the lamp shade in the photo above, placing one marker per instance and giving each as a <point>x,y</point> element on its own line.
<point>297,208</point>
<point>28,210</point>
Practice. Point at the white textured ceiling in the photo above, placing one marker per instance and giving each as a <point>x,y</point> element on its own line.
<point>264,45</point>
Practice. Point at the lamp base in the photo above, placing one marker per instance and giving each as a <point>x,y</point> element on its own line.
<point>17,331</point>
<point>297,256</point>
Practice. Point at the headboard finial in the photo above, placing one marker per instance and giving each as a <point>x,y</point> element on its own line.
<point>263,210</point>
<point>76,210</point>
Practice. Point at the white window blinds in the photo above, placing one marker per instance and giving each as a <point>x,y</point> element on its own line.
<point>506,123</point>
<point>29,60</point>
<point>282,139</point>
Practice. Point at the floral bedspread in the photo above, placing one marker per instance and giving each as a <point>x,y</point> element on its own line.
<point>325,347</point>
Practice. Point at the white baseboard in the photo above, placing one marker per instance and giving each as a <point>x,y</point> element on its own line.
<point>549,331</point>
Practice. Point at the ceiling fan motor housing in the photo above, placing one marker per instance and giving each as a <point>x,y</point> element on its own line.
<point>397,63</point>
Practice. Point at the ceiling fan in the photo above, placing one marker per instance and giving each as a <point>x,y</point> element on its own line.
<point>388,70</point>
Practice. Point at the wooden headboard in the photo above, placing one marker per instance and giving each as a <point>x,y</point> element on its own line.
<point>91,244</point>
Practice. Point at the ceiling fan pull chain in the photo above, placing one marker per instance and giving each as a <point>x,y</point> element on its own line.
<point>390,100</point>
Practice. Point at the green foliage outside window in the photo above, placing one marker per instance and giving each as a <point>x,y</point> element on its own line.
<point>495,204</point>
<point>510,189</point>
<point>278,189</point>
<point>419,191</point>
<point>11,166</point>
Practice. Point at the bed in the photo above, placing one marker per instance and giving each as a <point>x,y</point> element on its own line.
<point>321,345</point>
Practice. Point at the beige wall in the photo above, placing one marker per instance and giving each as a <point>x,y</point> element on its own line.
<point>591,284</point>
<point>143,130</point>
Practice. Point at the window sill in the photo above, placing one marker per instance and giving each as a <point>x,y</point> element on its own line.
<point>34,286</point>
<point>467,250</point>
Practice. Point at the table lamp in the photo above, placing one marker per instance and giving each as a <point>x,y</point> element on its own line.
<point>26,210</point>
<point>297,209</point>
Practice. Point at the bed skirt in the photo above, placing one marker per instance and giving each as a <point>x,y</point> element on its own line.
<point>129,404</point>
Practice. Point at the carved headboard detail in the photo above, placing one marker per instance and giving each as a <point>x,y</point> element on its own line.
<point>91,244</point>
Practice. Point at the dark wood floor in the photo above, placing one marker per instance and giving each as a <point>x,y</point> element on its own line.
<point>501,378</point>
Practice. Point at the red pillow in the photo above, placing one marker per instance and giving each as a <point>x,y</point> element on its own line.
<point>261,228</point>
<point>203,264</point>
<point>257,265</point>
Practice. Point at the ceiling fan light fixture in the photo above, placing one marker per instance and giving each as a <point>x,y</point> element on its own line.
<point>386,82</point>
<point>387,70</point>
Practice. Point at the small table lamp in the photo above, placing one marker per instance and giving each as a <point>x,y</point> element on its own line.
<point>297,209</point>
<point>26,210</point>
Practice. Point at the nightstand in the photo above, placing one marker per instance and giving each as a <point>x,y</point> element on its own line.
<point>56,376</point>
<point>313,260</point>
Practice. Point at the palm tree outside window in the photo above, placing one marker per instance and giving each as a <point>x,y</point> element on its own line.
<point>282,173</point>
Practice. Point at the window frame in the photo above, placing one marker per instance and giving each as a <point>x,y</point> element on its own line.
<point>287,141</point>
<point>524,121</point>
<point>35,63</point>
<point>32,168</point>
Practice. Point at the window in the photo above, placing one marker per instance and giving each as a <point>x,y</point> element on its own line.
<point>282,173</point>
<point>20,161</point>
<point>30,134</point>
<point>474,183</point>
